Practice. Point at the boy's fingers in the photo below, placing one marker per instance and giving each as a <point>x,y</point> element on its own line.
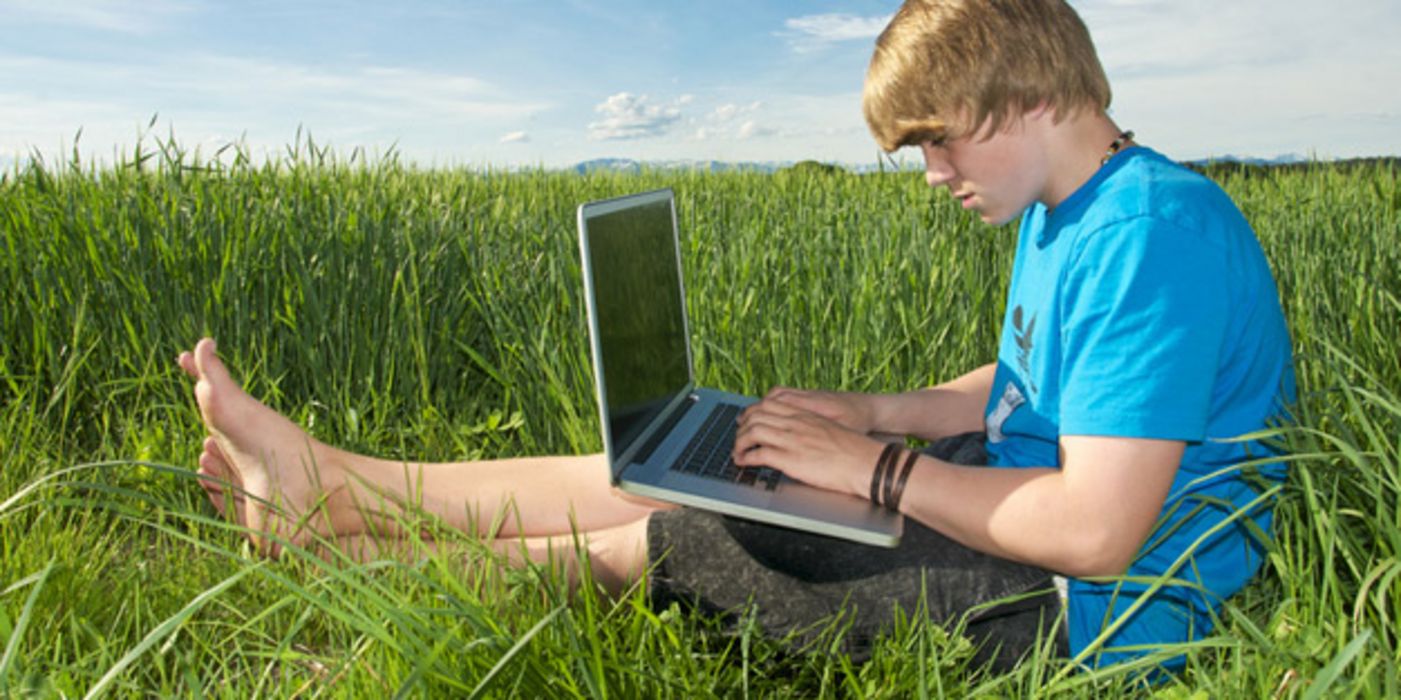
<point>767,407</point>
<point>779,435</point>
<point>761,456</point>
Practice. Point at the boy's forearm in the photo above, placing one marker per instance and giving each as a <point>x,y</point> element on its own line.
<point>951,408</point>
<point>1101,503</point>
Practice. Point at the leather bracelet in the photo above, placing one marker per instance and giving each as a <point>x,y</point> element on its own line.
<point>893,501</point>
<point>889,479</point>
<point>884,463</point>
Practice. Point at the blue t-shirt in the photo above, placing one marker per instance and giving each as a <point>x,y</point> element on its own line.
<point>1142,306</point>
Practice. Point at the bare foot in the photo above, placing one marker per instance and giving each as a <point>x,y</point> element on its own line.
<point>282,479</point>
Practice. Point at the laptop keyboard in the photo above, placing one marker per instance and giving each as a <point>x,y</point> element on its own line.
<point>708,454</point>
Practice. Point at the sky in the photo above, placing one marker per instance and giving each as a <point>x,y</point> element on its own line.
<point>527,83</point>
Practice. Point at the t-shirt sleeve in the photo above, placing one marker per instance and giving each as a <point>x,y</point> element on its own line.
<point>1145,309</point>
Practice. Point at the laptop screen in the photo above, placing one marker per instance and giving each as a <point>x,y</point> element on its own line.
<point>638,309</point>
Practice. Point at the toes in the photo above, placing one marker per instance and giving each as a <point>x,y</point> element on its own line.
<point>218,484</point>
<point>228,498</point>
<point>218,462</point>
<point>207,362</point>
<point>220,480</point>
<point>186,360</point>
<point>212,446</point>
<point>215,473</point>
<point>215,490</point>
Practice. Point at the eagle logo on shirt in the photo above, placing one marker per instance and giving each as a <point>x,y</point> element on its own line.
<point>1022,337</point>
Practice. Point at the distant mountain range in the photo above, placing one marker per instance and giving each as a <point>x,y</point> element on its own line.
<point>1286,159</point>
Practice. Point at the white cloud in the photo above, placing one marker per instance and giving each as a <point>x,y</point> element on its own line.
<point>627,116</point>
<point>723,122</point>
<point>812,32</point>
<point>725,112</point>
<point>106,15</point>
<point>516,137</point>
<point>729,111</point>
<point>750,129</point>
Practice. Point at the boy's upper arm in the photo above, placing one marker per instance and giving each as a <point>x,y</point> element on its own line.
<point>1120,483</point>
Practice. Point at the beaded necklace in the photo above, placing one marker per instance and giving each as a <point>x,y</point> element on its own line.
<point>1124,137</point>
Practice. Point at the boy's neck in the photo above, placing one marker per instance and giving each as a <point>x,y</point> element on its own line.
<point>1076,148</point>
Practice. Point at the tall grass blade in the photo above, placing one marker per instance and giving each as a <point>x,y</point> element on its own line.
<point>168,626</point>
<point>521,644</point>
<point>17,634</point>
<point>1329,674</point>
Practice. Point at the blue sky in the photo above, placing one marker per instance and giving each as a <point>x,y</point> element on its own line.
<point>525,83</point>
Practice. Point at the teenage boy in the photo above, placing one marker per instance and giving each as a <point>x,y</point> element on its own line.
<point>1143,331</point>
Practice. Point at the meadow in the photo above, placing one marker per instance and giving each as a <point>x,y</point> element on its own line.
<point>437,314</point>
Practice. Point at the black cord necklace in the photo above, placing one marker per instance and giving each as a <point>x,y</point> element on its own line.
<point>1124,137</point>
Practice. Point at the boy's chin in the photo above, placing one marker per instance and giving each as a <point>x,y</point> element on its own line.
<point>996,218</point>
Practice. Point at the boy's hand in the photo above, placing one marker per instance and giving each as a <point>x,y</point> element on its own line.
<point>845,409</point>
<point>806,445</point>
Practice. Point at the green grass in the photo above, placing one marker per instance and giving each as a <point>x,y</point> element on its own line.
<point>436,314</point>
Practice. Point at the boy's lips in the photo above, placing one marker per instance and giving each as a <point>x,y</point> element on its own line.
<point>964,198</point>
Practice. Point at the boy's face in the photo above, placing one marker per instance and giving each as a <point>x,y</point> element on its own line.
<point>996,175</point>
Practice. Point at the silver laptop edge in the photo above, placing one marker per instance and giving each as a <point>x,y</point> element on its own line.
<point>617,462</point>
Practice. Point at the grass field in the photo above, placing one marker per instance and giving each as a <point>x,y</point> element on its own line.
<point>433,314</point>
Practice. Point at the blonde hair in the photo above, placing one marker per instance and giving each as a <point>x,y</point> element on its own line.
<point>946,68</point>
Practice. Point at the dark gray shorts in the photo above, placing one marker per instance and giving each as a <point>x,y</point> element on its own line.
<point>797,581</point>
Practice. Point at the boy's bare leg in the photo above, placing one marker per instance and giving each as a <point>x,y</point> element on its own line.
<point>292,480</point>
<point>617,556</point>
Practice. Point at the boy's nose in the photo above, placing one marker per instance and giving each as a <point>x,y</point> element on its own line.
<point>937,170</point>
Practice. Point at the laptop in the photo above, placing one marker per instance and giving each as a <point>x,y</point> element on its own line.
<point>665,437</point>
